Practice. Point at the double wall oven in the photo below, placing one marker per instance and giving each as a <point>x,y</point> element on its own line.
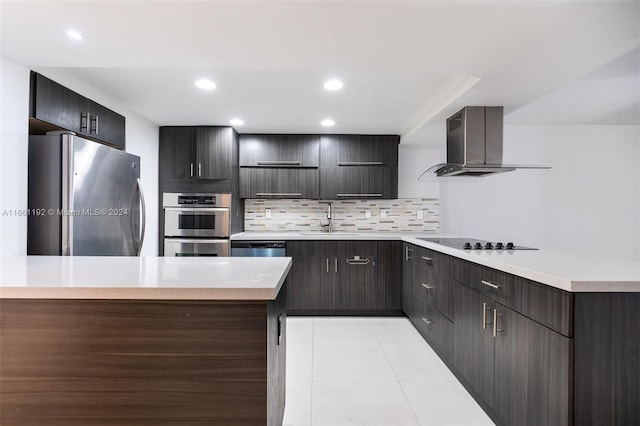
<point>196,224</point>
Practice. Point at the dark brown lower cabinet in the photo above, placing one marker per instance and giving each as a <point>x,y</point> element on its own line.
<point>607,359</point>
<point>531,354</point>
<point>311,281</point>
<point>155,363</point>
<point>473,354</point>
<point>407,279</point>
<point>345,277</point>
<point>532,372</point>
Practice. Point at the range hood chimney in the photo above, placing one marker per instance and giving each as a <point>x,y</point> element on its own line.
<point>474,145</point>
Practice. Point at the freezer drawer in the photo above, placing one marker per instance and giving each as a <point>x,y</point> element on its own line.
<point>191,247</point>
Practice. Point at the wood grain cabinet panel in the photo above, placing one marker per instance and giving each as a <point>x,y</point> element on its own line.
<point>359,166</point>
<point>259,150</point>
<point>473,352</point>
<point>63,108</point>
<point>214,152</point>
<point>144,363</point>
<point>190,153</point>
<point>407,278</point>
<point>281,183</point>
<point>359,150</point>
<point>345,277</point>
<point>532,372</point>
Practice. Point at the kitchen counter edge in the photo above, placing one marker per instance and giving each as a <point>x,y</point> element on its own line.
<point>142,278</point>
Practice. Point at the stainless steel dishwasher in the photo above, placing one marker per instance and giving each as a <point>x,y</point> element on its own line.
<point>258,248</point>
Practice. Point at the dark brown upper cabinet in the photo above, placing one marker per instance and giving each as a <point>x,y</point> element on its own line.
<point>279,150</point>
<point>202,152</point>
<point>56,107</point>
<point>359,166</point>
<point>359,151</point>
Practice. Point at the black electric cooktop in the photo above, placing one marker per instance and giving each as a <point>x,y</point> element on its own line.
<point>474,244</point>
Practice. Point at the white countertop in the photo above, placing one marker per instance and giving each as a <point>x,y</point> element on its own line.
<point>566,271</point>
<point>147,278</point>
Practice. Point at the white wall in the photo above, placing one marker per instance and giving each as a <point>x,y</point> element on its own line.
<point>14,129</point>
<point>589,202</point>
<point>412,161</point>
<point>141,136</point>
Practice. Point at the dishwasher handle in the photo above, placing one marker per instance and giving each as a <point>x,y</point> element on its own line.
<point>259,244</point>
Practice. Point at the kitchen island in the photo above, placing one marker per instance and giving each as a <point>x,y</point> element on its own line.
<point>142,341</point>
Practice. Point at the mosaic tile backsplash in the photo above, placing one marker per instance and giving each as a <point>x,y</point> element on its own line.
<point>402,215</point>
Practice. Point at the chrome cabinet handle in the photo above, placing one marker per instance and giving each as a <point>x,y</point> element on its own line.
<point>406,254</point>
<point>427,286</point>
<point>84,122</point>
<point>359,195</point>
<point>93,120</point>
<point>279,163</point>
<point>358,261</point>
<point>488,284</point>
<point>336,263</point>
<point>191,170</point>
<point>199,169</point>
<point>280,323</point>
<point>485,308</point>
<point>327,265</point>
<point>496,330</point>
<point>428,259</point>
<point>427,321</point>
<point>360,163</point>
<point>278,194</point>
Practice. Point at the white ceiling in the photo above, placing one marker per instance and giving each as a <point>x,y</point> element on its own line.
<point>404,63</point>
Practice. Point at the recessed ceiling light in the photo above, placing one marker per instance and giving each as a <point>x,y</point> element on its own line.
<point>333,84</point>
<point>73,34</point>
<point>236,122</point>
<point>327,122</point>
<point>205,84</point>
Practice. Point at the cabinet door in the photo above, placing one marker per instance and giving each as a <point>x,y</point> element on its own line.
<point>177,153</point>
<point>407,279</point>
<point>106,125</point>
<point>358,182</point>
<point>532,372</point>
<point>278,183</point>
<point>55,104</point>
<point>312,276</point>
<point>357,286</point>
<point>279,150</point>
<point>390,273</point>
<point>473,353</point>
<point>359,151</point>
<point>214,152</point>
<point>310,283</point>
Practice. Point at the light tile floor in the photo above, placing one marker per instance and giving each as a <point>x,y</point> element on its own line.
<point>370,371</point>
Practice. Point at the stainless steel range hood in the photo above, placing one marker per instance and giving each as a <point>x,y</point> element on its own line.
<point>474,145</point>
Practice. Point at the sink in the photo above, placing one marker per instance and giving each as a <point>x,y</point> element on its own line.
<point>328,233</point>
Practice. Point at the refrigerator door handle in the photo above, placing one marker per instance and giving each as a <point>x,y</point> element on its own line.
<point>143,221</point>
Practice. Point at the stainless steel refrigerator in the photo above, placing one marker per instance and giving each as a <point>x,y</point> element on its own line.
<point>85,198</point>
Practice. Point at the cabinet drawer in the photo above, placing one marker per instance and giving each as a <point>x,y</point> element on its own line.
<point>434,327</point>
<point>546,305</point>
<point>434,289</point>
<point>429,259</point>
<point>495,284</point>
<point>278,183</point>
<point>424,283</point>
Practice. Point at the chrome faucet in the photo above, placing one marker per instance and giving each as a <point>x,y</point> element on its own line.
<point>329,226</point>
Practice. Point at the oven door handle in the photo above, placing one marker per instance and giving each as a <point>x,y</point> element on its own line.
<point>209,210</point>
